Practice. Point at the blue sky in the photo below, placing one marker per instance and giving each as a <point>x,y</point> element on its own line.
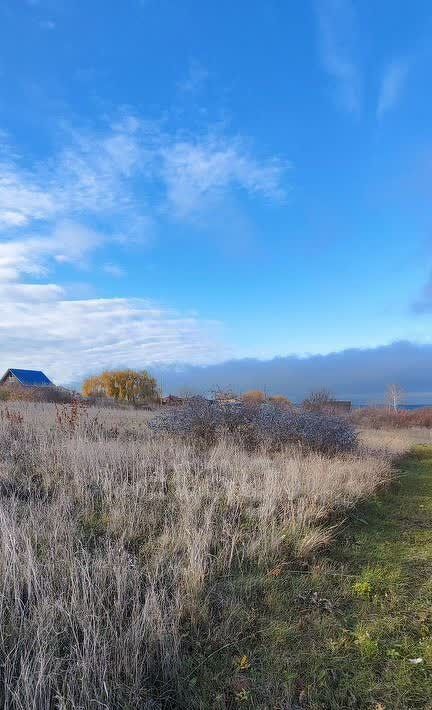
<point>189,182</point>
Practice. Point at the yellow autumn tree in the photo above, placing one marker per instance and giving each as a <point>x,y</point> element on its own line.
<point>123,385</point>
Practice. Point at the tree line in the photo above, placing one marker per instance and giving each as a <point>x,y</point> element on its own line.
<point>140,387</point>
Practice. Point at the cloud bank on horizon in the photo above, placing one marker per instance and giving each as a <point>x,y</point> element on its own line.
<point>361,375</point>
<point>172,197</point>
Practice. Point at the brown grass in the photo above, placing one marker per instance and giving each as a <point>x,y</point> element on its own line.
<point>111,538</point>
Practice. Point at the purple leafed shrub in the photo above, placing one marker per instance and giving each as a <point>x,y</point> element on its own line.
<point>257,425</point>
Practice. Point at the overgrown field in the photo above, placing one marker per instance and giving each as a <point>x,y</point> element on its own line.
<point>141,570</point>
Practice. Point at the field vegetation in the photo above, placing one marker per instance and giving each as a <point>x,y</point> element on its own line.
<point>153,567</point>
<point>390,418</point>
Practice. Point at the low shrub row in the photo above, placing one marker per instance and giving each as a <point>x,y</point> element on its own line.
<point>255,426</point>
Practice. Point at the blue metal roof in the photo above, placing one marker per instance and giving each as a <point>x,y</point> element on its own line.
<point>31,378</point>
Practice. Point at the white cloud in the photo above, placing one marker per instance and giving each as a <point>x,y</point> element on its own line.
<point>392,85</point>
<point>22,293</point>
<point>195,172</point>
<point>22,257</point>
<point>69,242</point>
<point>95,172</point>
<point>123,171</point>
<point>128,175</point>
<point>337,40</point>
<point>91,175</point>
<point>41,327</point>
<point>68,338</point>
<point>22,199</point>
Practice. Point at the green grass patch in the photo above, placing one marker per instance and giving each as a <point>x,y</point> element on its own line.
<point>352,630</point>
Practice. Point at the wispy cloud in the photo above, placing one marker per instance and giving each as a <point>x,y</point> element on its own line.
<point>92,174</point>
<point>22,199</point>
<point>392,85</point>
<point>97,171</point>
<point>69,242</point>
<point>337,25</point>
<point>197,172</point>
<point>124,170</point>
<point>104,185</point>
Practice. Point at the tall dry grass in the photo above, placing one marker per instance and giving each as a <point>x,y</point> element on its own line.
<point>394,442</point>
<point>112,536</point>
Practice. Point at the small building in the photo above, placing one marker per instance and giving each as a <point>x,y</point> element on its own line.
<point>25,378</point>
<point>172,400</point>
<point>340,405</point>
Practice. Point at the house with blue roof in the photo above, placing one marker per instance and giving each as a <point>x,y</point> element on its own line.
<point>25,378</point>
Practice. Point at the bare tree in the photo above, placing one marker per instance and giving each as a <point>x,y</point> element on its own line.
<point>395,396</point>
<point>318,401</point>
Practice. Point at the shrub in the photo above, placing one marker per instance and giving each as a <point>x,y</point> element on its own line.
<point>203,420</point>
<point>318,401</point>
<point>60,395</point>
<point>280,400</point>
<point>258,425</point>
<point>315,430</point>
<point>386,418</point>
<point>254,397</point>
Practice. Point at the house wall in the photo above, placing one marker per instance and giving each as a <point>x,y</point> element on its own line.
<point>10,379</point>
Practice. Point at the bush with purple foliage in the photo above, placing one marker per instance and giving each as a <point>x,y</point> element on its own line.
<point>258,425</point>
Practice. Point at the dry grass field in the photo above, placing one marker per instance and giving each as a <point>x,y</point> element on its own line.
<point>118,544</point>
<point>395,441</point>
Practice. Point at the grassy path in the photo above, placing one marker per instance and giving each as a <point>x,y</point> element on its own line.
<point>388,547</point>
<point>352,631</point>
